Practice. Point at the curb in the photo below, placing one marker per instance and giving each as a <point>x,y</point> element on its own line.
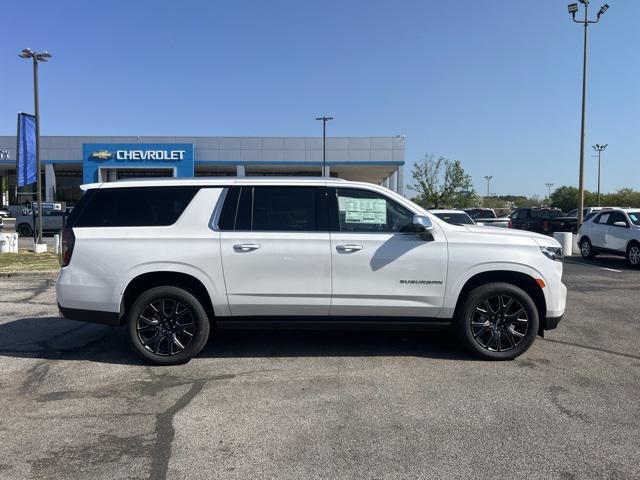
<point>50,274</point>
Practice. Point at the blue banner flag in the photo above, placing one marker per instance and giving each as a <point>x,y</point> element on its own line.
<point>26,158</point>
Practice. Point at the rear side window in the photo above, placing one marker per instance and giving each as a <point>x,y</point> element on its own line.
<point>133,207</point>
<point>274,209</point>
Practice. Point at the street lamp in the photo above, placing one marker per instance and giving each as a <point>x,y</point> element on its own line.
<point>37,57</point>
<point>549,185</point>
<point>599,148</point>
<point>488,179</point>
<point>573,9</point>
<point>324,142</point>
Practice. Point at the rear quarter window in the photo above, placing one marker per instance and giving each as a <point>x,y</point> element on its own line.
<point>133,207</point>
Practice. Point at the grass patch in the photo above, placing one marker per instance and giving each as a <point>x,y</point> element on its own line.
<point>26,261</point>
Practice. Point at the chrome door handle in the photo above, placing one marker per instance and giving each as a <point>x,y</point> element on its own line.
<point>246,247</point>
<point>348,248</point>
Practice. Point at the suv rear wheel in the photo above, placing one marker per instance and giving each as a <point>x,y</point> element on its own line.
<point>586,249</point>
<point>498,321</point>
<point>633,254</point>
<point>167,325</point>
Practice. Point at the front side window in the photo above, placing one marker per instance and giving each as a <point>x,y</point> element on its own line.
<point>616,217</point>
<point>370,212</point>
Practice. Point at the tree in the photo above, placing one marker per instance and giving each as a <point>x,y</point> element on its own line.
<point>440,182</point>
<point>565,198</point>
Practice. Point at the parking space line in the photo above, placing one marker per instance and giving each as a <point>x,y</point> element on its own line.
<point>594,266</point>
<point>597,349</point>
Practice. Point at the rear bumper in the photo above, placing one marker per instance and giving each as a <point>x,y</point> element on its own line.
<point>91,316</point>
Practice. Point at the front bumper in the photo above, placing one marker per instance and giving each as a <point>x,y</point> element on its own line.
<point>549,323</point>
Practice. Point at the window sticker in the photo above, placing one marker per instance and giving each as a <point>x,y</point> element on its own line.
<point>363,210</point>
<point>604,218</point>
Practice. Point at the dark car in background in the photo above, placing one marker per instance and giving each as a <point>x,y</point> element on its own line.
<point>542,220</point>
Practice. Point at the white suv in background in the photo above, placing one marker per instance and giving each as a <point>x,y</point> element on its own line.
<point>615,231</point>
<point>171,259</point>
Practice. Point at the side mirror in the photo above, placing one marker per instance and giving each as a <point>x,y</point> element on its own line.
<point>620,224</point>
<point>423,227</point>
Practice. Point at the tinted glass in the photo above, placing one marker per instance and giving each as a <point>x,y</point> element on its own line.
<point>616,217</point>
<point>289,209</point>
<point>366,211</point>
<point>134,207</point>
<point>455,218</point>
<point>228,214</point>
<point>245,209</point>
<point>524,213</point>
<point>545,213</point>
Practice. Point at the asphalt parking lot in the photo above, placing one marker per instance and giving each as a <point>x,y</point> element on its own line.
<point>76,403</point>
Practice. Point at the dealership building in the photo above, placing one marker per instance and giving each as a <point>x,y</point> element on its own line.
<point>68,162</point>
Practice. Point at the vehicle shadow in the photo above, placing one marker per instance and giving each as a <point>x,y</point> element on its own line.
<point>57,338</point>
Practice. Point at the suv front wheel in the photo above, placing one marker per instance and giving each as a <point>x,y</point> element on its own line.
<point>498,321</point>
<point>167,325</point>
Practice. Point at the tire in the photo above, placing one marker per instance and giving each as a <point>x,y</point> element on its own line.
<point>506,329</point>
<point>24,230</point>
<point>586,249</point>
<point>633,254</point>
<point>164,319</point>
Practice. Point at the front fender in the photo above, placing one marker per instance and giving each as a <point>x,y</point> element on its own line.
<point>455,288</point>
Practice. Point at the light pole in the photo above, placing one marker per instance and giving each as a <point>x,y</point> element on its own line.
<point>324,142</point>
<point>549,185</point>
<point>488,179</point>
<point>599,148</point>
<point>573,9</point>
<point>37,57</point>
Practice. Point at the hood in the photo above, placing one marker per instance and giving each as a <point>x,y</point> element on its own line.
<point>542,240</point>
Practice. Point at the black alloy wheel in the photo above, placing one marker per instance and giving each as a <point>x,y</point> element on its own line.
<point>497,321</point>
<point>167,325</point>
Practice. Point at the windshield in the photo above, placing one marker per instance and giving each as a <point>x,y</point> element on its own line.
<point>455,218</point>
<point>634,217</point>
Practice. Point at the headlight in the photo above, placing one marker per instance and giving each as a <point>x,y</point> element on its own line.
<point>554,253</point>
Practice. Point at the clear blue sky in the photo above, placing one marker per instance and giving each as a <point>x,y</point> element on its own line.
<point>495,84</point>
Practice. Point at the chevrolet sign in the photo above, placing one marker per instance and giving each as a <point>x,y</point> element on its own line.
<point>149,154</point>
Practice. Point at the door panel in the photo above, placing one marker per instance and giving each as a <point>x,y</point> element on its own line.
<point>396,274</point>
<point>380,268</point>
<point>277,273</point>
<point>599,230</point>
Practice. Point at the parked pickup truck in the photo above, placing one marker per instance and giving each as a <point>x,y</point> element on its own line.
<point>176,260</point>
<point>487,217</point>
<point>542,220</point>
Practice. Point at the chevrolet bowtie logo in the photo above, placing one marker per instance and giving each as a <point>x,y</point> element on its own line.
<point>102,155</point>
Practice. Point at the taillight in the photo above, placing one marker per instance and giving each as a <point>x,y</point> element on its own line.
<point>510,224</point>
<point>545,225</point>
<point>68,241</point>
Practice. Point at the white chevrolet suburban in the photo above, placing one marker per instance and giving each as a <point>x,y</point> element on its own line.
<point>174,259</point>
